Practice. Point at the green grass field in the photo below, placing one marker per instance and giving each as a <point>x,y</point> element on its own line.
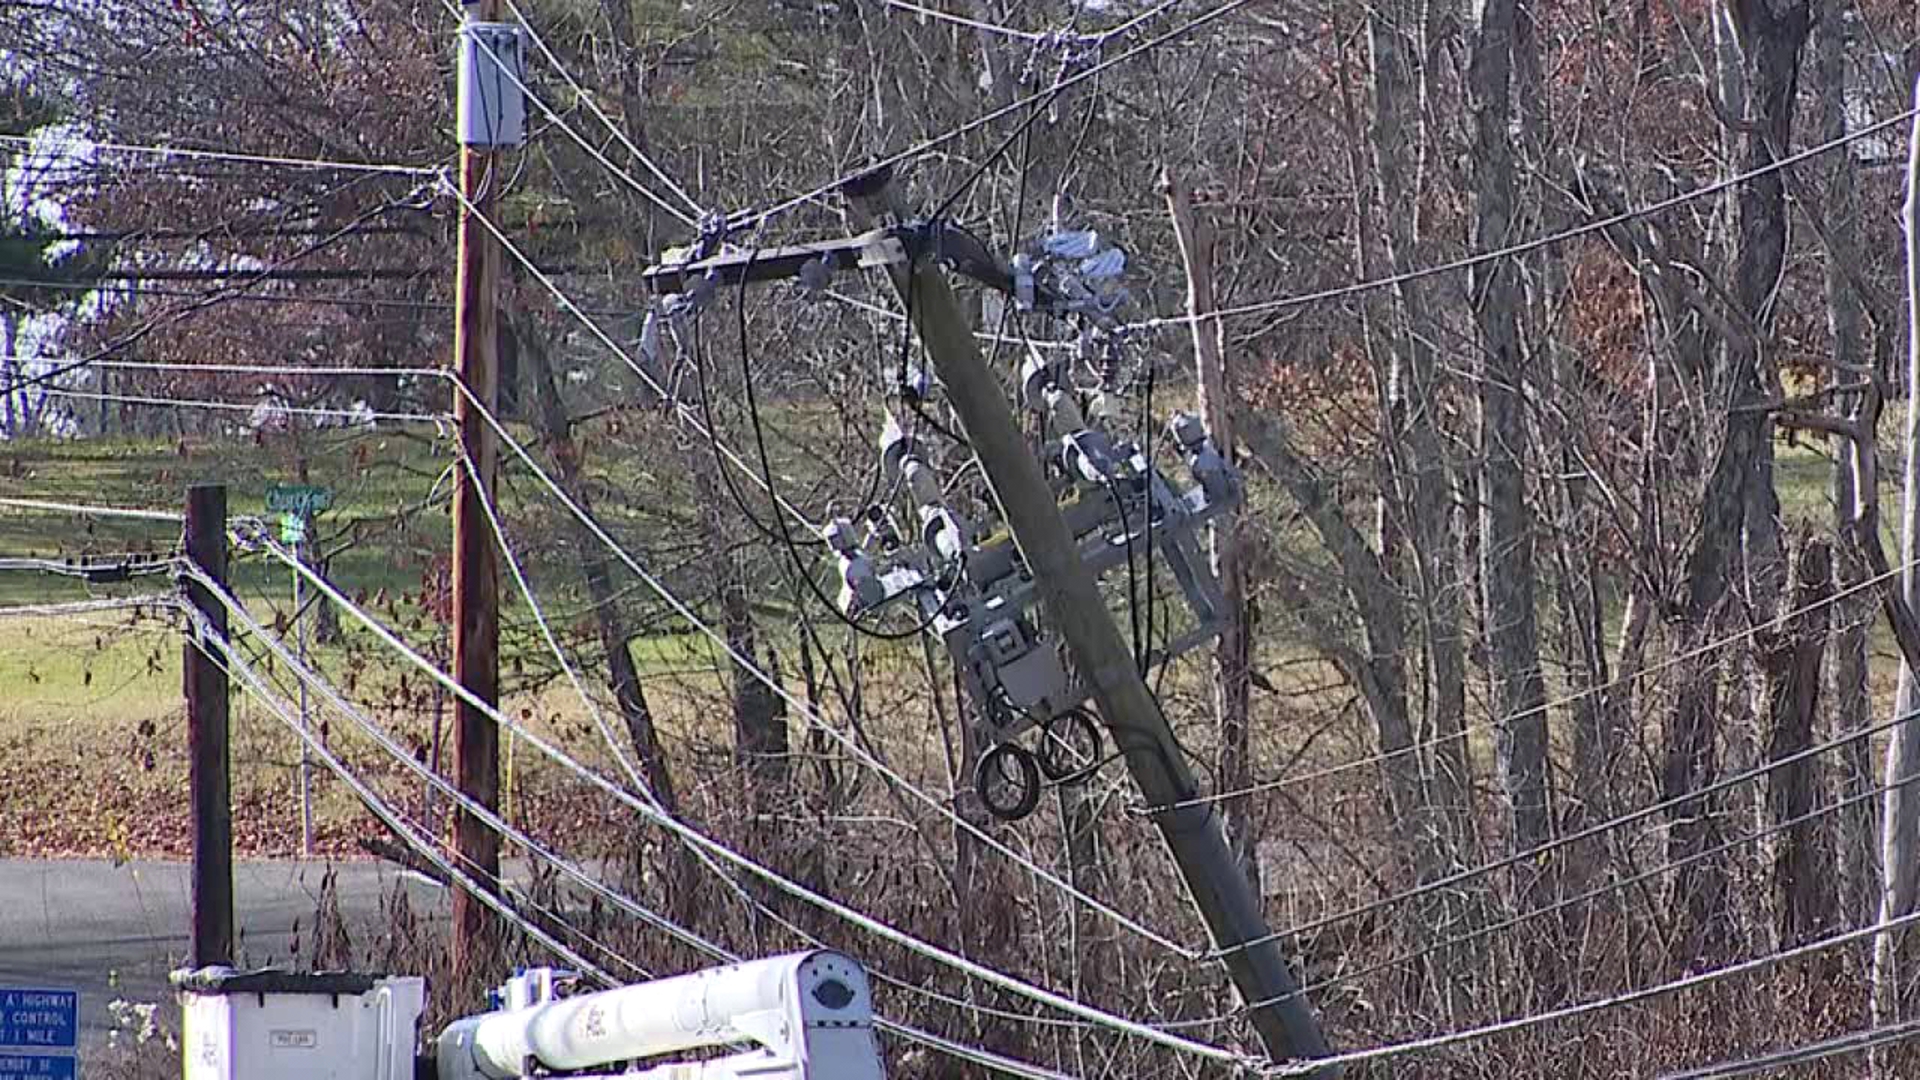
<point>98,695</point>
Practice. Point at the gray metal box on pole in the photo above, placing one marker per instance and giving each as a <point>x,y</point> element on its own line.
<point>492,108</point>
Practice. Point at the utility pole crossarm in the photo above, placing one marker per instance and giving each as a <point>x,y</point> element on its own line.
<point>876,248</point>
<point>1072,600</point>
<point>816,261</point>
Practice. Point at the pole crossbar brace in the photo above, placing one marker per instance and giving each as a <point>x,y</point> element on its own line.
<point>813,262</point>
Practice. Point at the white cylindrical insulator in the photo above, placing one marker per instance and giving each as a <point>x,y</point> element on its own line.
<point>840,536</point>
<point>860,584</point>
<point>923,484</point>
<point>1103,409</point>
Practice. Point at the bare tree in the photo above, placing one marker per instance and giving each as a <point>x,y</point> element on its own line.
<point>1850,697</point>
<point>1219,405</point>
<point>1900,821</point>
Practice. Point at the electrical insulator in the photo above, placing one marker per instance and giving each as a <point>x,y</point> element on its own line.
<point>1210,470</point>
<point>860,585</point>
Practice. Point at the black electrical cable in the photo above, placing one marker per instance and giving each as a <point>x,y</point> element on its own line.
<point>719,452</point>
<point>920,415</point>
<point>908,396</point>
<point>1133,582</point>
<point>768,532</point>
<point>766,473</point>
<point>1039,109</point>
<point>1147,447</point>
<point>1080,141</point>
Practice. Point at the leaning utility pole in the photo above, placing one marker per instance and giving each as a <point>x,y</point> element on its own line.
<point>489,103</point>
<point>1191,829</point>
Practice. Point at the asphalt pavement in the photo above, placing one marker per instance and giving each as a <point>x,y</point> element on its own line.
<point>116,931</point>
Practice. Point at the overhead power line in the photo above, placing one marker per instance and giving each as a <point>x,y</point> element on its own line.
<point>612,740</point>
<point>743,862</point>
<point>85,510</point>
<point>1450,882</point>
<point>268,369</point>
<point>687,414</point>
<point>1644,672</point>
<point>423,847</point>
<point>587,98</point>
<point>332,697</point>
<point>103,236</point>
<point>1780,1060</point>
<point>90,607</point>
<point>1653,873</point>
<point>582,141</point>
<point>82,145</point>
<point>205,300</point>
<point>962,20</point>
<point>93,565</point>
<point>1442,883</point>
<point>222,652</point>
<point>751,666</point>
<point>324,299</point>
<point>263,404</point>
<point>358,273</point>
<point>619,900</point>
<point>624,759</point>
<point>1616,1001</point>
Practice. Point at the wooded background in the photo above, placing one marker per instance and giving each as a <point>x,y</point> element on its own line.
<point>1567,659</point>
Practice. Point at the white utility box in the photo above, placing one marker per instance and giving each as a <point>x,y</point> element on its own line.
<point>251,1025</point>
<point>492,69</point>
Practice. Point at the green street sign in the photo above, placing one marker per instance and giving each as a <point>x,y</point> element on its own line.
<point>307,499</point>
<point>293,528</point>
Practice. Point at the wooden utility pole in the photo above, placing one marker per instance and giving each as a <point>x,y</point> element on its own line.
<point>476,569</point>
<point>204,677</point>
<point>1074,604</point>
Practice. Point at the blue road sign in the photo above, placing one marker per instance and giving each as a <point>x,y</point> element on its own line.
<point>37,1019</point>
<point>17,1066</point>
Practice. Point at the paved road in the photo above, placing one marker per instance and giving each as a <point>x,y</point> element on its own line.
<point>116,931</point>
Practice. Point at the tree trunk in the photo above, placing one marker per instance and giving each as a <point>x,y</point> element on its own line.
<point>596,573</point>
<point>1377,668</point>
<point>1232,688</point>
<point>1740,513</point>
<point>1771,44</point>
<point>1506,520</point>
<point>1900,821</point>
<point>1858,828</point>
<point>759,723</point>
<point>10,371</point>
<point>1804,894</point>
<point>1423,476</point>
